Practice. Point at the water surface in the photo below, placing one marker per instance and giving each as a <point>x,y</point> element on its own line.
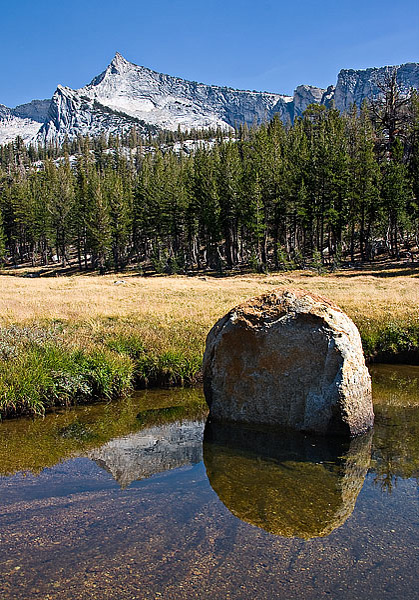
<point>144,499</point>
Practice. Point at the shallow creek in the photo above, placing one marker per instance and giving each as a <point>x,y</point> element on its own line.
<point>143,499</point>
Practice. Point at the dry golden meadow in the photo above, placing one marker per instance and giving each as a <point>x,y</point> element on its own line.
<point>177,311</point>
<point>84,337</point>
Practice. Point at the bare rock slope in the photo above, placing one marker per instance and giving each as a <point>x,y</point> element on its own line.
<point>126,95</point>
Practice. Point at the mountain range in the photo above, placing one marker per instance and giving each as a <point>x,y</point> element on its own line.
<point>126,95</point>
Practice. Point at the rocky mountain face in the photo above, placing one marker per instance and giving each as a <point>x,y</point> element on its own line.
<point>308,94</point>
<point>25,120</point>
<point>127,95</point>
<point>354,86</point>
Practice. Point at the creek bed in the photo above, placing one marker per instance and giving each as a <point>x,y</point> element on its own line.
<point>143,499</point>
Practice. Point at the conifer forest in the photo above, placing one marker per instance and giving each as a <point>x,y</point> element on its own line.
<point>329,188</point>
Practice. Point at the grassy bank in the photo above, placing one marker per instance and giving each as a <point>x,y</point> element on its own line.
<point>80,338</point>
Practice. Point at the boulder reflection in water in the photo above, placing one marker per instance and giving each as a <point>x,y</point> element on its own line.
<point>289,484</point>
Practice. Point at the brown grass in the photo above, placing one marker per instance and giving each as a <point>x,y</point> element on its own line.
<point>178,311</point>
<point>86,337</point>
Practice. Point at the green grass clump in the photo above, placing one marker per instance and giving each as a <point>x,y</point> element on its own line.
<point>44,367</point>
<point>151,369</point>
<point>42,374</point>
<point>390,339</point>
<point>169,368</point>
<point>130,345</point>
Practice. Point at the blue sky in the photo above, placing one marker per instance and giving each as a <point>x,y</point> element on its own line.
<point>264,45</point>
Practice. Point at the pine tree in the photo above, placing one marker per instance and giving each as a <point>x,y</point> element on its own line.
<point>61,203</point>
<point>206,194</point>
<point>118,201</point>
<point>2,241</point>
<point>229,190</point>
<point>99,226</point>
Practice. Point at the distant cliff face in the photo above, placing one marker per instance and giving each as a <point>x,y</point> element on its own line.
<point>127,95</point>
<point>354,86</point>
<point>23,121</point>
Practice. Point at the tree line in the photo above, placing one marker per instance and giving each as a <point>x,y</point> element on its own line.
<point>331,187</point>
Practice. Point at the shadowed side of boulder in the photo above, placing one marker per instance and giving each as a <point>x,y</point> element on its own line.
<point>288,358</point>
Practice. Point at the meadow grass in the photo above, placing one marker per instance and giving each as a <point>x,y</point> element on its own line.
<point>82,337</point>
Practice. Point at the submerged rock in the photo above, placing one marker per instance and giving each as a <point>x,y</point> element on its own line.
<point>288,358</point>
<point>291,484</point>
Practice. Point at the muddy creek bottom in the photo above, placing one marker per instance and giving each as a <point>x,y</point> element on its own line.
<point>144,499</point>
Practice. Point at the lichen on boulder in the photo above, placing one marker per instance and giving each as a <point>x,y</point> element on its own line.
<point>288,358</point>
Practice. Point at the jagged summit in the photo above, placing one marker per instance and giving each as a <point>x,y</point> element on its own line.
<point>117,66</point>
<point>119,59</point>
<point>146,98</point>
<point>126,95</point>
<point>119,63</point>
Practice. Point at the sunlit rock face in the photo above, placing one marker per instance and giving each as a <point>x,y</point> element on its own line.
<point>126,95</point>
<point>20,122</point>
<point>353,87</point>
<point>305,95</point>
<point>288,358</point>
<point>288,484</point>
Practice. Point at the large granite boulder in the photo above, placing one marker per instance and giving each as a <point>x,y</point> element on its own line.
<point>288,358</point>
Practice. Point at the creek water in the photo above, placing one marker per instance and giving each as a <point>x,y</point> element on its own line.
<point>143,499</point>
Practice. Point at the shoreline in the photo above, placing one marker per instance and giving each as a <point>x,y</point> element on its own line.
<point>123,382</point>
<point>69,340</point>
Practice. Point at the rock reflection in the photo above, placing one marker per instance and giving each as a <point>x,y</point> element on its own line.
<point>288,484</point>
<point>150,451</point>
<point>32,445</point>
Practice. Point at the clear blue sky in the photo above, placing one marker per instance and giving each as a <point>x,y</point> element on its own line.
<point>264,44</point>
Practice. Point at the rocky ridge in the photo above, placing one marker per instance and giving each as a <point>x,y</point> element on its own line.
<point>127,95</point>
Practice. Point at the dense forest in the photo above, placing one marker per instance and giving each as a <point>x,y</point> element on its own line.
<point>327,189</point>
